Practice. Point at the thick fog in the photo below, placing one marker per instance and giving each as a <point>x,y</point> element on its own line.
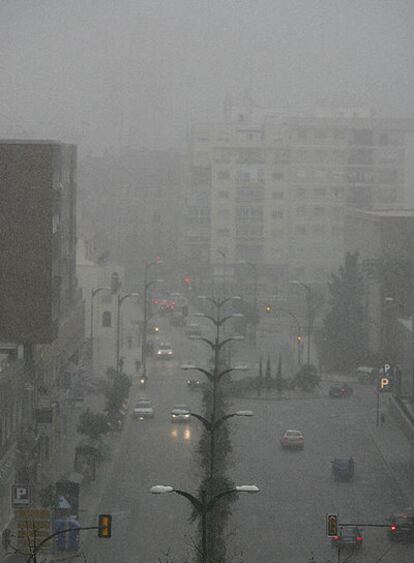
<point>110,73</point>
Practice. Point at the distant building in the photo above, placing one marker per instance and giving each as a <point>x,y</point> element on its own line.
<point>272,188</point>
<point>385,243</point>
<point>133,202</point>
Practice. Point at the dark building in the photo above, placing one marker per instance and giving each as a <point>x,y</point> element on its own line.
<point>37,238</point>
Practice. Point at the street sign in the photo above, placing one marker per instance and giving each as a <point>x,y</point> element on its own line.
<point>33,525</point>
<point>20,496</point>
<point>385,380</point>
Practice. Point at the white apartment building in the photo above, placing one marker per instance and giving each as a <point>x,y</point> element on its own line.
<point>272,190</point>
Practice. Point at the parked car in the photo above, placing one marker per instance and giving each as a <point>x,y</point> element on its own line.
<point>401,527</point>
<point>340,391</point>
<point>180,413</point>
<point>164,351</point>
<point>192,329</point>
<point>292,439</point>
<point>143,409</point>
<point>343,468</point>
<point>348,536</point>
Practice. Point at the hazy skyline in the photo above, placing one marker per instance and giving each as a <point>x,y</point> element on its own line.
<point>108,73</point>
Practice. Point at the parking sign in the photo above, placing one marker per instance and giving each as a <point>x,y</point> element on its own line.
<point>21,496</point>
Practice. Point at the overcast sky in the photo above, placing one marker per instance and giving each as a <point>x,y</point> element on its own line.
<point>106,73</point>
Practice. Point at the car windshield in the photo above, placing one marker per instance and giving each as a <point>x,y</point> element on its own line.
<point>165,346</point>
<point>143,404</point>
<point>181,407</point>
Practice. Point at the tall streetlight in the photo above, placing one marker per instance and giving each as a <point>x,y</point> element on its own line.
<point>254,268</point>
<point>308,288</point>
<point>118,326</point>
<point>204,505</point>
<point>216,375</point>
<point>94,291</point>
<point>223,255</point>
<point>147,285</point>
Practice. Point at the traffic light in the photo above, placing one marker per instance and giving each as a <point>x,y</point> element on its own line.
<point>105,525</point>
<point>331,525</point>
<point>268,308</point>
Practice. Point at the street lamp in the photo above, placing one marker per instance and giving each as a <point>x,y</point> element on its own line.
<point>254,268</point>
<point>147,285</point>
<point>308,288</point>
<point>118,326</point>
<point>223,255</point>
<point>204,505</point>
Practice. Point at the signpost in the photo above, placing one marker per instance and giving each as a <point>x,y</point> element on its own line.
<point>20,496</point>
<point>384,385</point>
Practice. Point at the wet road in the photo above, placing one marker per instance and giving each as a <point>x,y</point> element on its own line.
<point>285,523</point>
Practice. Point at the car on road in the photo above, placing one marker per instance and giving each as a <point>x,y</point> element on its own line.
<point>343,468</point>
<point>180,413</point>
<point>339,391</point>
<point>348,536</point>
<point>192,329</point>
<point>164,351</point>
<point>143,409</point>
<point>193,383</point>
<point>292,439</point>
<point>401,527</point>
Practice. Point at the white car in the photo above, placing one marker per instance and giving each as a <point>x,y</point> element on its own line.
<point>292,439</point>
<point>164,351</point>
<point>143,409</point>
<point>180,413</point>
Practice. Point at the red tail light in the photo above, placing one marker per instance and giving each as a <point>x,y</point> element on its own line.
<point>393,527</point>
<point>335,538</point>
<point>359,538</point>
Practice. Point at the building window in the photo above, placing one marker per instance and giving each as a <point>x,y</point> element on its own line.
<point>301,210</point>
<point>278,175</point>
<point>300,229</point>
<point>277,195</point>
<point>318,211</point>
<point>223,194</point>
<point>223,175</point>
<point>223,232</point>
<point>300,193</point>
<point>277,214</point>
<point>320,192</point>
<point>106,319</point>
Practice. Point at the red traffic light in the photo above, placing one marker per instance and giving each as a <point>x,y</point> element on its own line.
<point>188,280</point>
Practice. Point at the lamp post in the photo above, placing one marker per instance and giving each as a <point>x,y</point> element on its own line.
<point>223,255</point>
<point>147,285</point>
<point>254,268</point>
<point>94,291</point>
<point>118,326</point>
<point>308,288</point>
<point>204,505</point>
<point>216,375</point>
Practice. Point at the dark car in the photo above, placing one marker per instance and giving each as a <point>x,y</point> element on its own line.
<point>348,536</point>
<point>194,383</point>
<point>340,391</point>
<point>401,527</point>
<point>343,468</point>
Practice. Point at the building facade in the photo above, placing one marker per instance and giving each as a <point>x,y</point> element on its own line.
<point>272,189</point>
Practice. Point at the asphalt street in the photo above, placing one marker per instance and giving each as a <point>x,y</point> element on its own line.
<point>285,522</point>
